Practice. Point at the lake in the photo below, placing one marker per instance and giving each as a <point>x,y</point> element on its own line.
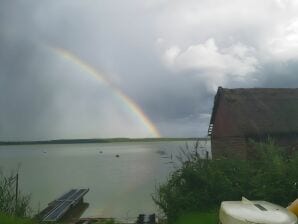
<point>119,186</point>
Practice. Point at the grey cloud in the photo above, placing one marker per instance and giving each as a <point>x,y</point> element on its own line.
<point>278,74</point>
<point>43,95</point>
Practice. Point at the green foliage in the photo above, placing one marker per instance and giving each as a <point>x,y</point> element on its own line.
<point>5,219</point>
<point>109,221</point>
<point>201,185</point>
<point>8,203</point>
<point>198,218</point>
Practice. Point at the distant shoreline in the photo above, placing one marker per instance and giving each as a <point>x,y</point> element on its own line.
<point>101,140</point>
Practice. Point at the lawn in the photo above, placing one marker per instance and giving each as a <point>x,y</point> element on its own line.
<point>13,220</point>
<point>198,218</point>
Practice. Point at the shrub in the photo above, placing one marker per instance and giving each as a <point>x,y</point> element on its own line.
<point>201,185</point>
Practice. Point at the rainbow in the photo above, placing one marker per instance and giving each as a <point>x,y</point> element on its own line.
<point>127,101</point>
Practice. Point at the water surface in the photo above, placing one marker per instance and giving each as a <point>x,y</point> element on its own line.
<point>119,186</point>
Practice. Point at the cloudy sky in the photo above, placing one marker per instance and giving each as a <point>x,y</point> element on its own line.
<point>112,68</point>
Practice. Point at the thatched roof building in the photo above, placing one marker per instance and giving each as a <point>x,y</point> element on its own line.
<point>242,114</point>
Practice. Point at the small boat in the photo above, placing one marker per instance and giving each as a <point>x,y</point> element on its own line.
<point>246,211</point>
<point>117,155</point>
<point>161,152</point>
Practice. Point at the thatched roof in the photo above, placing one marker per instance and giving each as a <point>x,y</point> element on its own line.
<point>260,111</point>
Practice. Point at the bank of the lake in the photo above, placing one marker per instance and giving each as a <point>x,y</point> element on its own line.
<point>98,140</point>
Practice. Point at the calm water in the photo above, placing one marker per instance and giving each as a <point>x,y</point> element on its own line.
<point>119,187</point>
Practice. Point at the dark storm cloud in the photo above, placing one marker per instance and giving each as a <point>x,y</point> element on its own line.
<point>279,74</point>
<point>41,98</point>
<point>21,99</point>
<point>42,95</point>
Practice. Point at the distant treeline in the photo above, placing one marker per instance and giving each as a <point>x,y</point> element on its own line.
<point>96,140</point>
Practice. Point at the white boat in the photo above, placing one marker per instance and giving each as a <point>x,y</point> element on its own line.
<point>254,212</point>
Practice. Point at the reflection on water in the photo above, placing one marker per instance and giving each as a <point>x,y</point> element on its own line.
<point>119,186</point>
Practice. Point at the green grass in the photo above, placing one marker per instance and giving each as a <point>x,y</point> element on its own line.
<point>198,218</point>
<point>5,219</point>
<point>111,221</point>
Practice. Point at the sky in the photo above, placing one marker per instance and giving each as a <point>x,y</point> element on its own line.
<point>151,68</point>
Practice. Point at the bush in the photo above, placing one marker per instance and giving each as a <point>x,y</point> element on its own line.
<point>201,185</point>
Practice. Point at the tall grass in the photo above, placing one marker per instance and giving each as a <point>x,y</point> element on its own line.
<point>10,203</point>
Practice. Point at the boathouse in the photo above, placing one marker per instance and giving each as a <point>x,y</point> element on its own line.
<point>258,113</point>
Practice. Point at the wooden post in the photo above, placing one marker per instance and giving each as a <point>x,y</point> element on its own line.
<point>17,191</point>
